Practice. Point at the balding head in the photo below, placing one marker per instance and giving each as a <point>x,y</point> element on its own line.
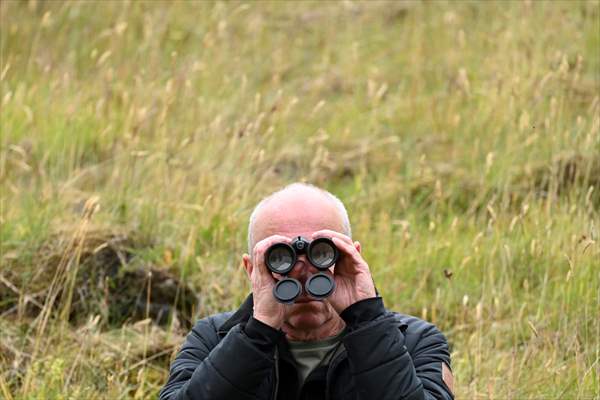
<point>295,210</point>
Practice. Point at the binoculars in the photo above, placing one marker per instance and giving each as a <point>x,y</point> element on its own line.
<point>281,258</point>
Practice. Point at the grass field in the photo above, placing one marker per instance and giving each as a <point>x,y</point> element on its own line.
<point>463,137</point>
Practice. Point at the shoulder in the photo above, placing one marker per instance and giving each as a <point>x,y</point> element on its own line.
<point>199,342</point>
<point>205,331</point>
<point>418,332</point>
<point>212,322</point>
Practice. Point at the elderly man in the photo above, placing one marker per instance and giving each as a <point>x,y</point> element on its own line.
<point>346,346</point>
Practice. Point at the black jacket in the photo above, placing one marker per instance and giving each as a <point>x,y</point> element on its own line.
<point>386,355</point>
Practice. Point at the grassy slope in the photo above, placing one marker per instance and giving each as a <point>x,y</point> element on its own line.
<point>432,121</point>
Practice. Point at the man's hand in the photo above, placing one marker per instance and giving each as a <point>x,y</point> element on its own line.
<point>351,273</point>
<point>266,309</point>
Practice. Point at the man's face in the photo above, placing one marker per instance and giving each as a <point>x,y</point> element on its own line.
<point>300,214</point>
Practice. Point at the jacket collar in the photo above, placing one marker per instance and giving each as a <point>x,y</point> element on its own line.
<point>245,311</point>
<point>243,314</point>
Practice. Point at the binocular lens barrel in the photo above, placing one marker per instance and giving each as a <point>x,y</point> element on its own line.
<point>320,285</point>
<point>281,258</point>
<point>322,254</point>
<point>287,290</point>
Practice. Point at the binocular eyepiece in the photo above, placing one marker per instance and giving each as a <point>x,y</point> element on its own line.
<point>281,258</point>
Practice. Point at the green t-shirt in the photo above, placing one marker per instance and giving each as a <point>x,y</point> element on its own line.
<point>310,355</point>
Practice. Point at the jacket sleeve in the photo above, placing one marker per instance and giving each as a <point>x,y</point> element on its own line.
<point>234,368</point>
<point>380,362</point>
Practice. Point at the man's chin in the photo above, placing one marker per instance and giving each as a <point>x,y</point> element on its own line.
<point>309,315</point>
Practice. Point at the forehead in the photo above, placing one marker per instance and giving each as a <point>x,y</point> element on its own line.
<point>299,215</point>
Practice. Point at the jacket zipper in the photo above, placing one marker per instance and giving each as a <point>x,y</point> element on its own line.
<point>332,366</point>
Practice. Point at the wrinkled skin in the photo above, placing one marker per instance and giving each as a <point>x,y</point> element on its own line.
<point>312,215</point>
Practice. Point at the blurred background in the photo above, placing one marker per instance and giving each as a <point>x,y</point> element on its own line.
<point>136,137</point>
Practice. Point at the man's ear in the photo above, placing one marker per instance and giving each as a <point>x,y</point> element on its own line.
<point>357,246</point>
<point>247,263</point>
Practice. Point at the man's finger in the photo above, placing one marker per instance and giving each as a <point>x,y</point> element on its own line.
<point>328,233</point>
<point>261,247</point>
<point>258,255</point>
<point>348,249</point>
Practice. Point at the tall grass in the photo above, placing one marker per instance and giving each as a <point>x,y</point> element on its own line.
<point>464,138</point>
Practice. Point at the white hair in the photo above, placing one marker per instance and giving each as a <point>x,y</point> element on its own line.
<point>291,187</point>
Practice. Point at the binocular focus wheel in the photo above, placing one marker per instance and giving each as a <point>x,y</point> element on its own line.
<point>320,285</point>
<point>287,290</point>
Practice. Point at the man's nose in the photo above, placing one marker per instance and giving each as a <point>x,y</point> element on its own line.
<point>302,269</point>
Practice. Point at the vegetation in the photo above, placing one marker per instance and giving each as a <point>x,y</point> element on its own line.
<point>464,138</point>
